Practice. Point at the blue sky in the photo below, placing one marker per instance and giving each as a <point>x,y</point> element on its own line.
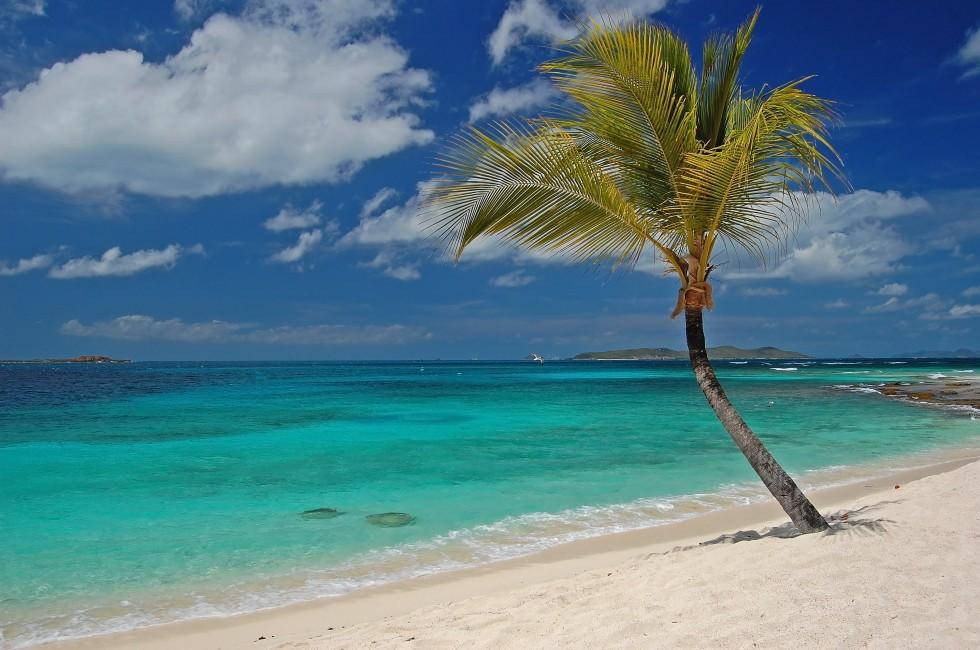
<point>208,179</point>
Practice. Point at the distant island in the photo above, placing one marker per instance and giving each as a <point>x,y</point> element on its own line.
<point>667,354</point>
<point>83,358</point>
<point>961,353</point>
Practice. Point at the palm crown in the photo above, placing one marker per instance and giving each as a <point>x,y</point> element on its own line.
<point>649,154</point>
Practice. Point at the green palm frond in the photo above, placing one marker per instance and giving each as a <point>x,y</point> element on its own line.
<point>634,90</point>
<point>648,154</point>
<point>748,189</point>
<point>720,62</point>
<point>536,188</point>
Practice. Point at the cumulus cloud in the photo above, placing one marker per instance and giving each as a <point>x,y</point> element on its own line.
<point>290,91</point>
<point>845,239</point>
<point>969,53</point>
<point>139,327</point>
<point>501,102</point>
<point>114,262</point>
<point>289,218</point>
<point>893,289</point>
<point>512,280</point>
<point>969,292</point>
<point>307,242</point>
<point>840,303</point>
<point>24,265</point>
<point>398,224</point>
<point>525,20</point>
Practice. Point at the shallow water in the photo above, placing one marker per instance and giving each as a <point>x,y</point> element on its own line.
<point>142,493</point>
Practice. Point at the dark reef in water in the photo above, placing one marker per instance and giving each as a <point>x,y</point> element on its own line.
<point>321,513</point>
<point>945,391</point>
<point>391,519</point>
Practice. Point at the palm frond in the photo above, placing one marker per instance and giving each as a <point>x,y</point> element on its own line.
<point>634,90</point>
<point>720,62</point>
<point>746,189</point>
<point>534,186</point>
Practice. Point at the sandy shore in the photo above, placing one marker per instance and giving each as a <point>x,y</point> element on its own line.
<point>899,570</point>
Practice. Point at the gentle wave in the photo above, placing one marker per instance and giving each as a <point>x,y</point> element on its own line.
<point>784,369</point>
<point>858,389</point>
<point>509,538</point>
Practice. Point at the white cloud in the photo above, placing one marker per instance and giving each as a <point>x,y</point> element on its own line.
<point>39,261</point>
<point>525,20</point>
<point>398,224</point>
<point>892,304</point>
<point>762,292</point>
<point>512,280</point>
<point>307,242</point>
<point>501,102</point>
<point>893,289</point>
<point>969,292</point>
<point>840,303</point>
<point>953,313</point>
<point>928,305</point>
<point>387,261</point>
<point>188,9</point>
<point>845,239</point>
<point>138,327</point>
<point>115,263</point>
<point>380,197</point>
<point>969,53</point>
<point>17,9</point>
<point>405,272</point>
<point>291,91</point>
<point>289,218</point>
<point>964,311</point>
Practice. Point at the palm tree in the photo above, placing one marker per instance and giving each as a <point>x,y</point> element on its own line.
<point>650,154</point>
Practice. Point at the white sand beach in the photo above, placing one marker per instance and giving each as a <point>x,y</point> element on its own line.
<point>898,570</point>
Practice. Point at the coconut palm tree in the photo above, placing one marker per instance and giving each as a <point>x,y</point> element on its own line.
<point>646,154</point>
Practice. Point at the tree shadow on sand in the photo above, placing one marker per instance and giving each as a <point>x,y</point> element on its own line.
<point>858,522</point>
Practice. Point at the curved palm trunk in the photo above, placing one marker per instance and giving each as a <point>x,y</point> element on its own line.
<point>794,502</point>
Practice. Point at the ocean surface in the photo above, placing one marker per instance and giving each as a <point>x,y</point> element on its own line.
<point>151,492</point>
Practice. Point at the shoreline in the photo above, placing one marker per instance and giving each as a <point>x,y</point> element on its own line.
<point>558,562</point>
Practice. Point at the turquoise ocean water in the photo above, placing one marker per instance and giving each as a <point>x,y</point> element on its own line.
<point>150,492</point>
